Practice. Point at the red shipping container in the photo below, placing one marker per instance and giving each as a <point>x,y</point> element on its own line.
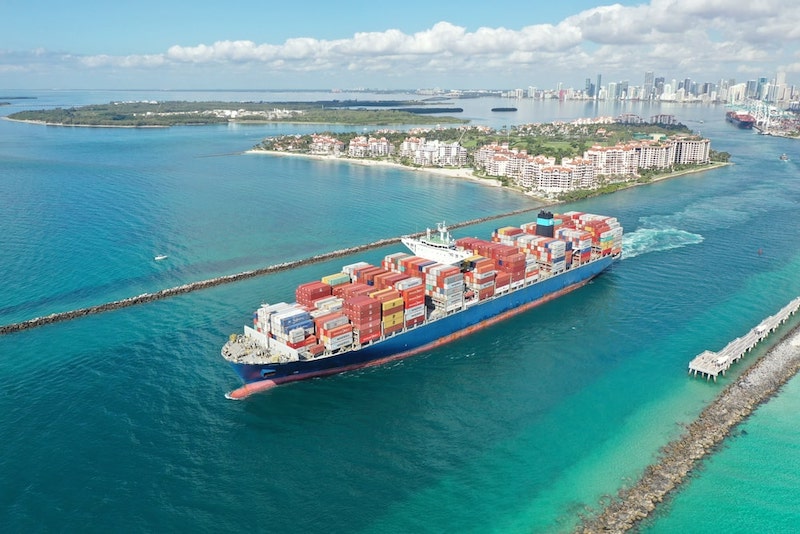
<point>485,293</point>
<point>392,329</point>
<point>366,338</point>
<point>310,340</point>
<point>338,331</point>
<point>392,311</point>
<point>361,269</point>
<point>357,289</point>
<point>415,321</point>
<point>319,322</point>
<point>316,349</point>
<point>503,279</point>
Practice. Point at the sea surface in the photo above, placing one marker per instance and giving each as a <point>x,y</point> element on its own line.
<point>118,422</point>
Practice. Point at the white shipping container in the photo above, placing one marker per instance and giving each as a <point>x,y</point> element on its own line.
<point>455,278</point>
<point>351,268</point>
<point>339,341</point>
<point>333,323</point>
<point>413,313</point>
<point>329,303</point>
<point>297,335</point>
<point>454,305</point>
<point>408,283</point>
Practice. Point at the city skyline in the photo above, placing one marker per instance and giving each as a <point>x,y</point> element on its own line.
<point>406,45</point>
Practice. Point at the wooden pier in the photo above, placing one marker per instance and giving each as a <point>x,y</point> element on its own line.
<point>710,364</point>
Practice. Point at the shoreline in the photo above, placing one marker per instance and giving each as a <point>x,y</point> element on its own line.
<point>461,172</point>
<point>468,173</point>
<point>62,125</point>
<point>676,461</point>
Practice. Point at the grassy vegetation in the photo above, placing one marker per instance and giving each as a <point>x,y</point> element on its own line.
<point>141,114</point>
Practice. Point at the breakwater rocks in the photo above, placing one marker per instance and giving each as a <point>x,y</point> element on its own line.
<point>203,284</point>
<point>676,460</point>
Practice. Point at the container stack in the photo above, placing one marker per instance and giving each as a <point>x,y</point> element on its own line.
<point>366,275</point>
<point>338,337</point>
<point>581,244</point>
<point>515,265</point>
<point>307,293</point>
<point>391,310</point>
<point>507,235</point>
<point>387,279</point>
<point>291,325</point>
<point>365,315</point>
<point>262,317</point>
<point>337,282</point>
<point>351,268</point>
<point>606,233</point>
<point>328,304</point>
<point>480,277</point>
<point>412,291</point>
<point>393,262</point>
<point>445,285</point>
<point>414,266</point>
<point>356,289</point>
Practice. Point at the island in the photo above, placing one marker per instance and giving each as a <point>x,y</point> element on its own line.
<point>152,113</point>
<point>562,161</point>
<point>554,162</point>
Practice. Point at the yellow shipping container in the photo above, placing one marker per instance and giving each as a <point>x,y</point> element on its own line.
<point>389,304</point>
<point>335,279</point>
<point>393,319</point>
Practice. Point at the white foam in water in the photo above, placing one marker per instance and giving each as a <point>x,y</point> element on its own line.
<point>646,240</point>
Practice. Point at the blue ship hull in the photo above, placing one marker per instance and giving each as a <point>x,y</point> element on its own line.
<point>425,336</point>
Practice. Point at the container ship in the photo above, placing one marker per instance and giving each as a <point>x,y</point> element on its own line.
<point>439,291</point>
<point>741,119</point>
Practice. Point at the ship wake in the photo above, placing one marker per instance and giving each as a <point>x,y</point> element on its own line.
<point>645,240</point>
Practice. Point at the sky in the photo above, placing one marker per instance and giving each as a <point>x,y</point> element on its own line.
<point>407,44</point>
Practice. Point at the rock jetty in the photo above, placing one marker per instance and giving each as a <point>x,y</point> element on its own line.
<point>203,284</point>
<point>677,459</point>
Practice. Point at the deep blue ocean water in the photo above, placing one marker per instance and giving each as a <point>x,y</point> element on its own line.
<point>118,421</point>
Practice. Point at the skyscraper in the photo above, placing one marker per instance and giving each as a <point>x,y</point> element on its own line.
<point>659,86</point>
<point>598,87</point>
<point>647,90</point>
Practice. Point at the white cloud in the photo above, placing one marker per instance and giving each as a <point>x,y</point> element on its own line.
<point>702,36</point>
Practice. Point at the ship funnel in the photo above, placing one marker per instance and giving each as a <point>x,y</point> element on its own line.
<point>544,224</point>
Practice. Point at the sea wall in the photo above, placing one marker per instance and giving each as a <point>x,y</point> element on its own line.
<point>203,284</point>
<point>676,460</point>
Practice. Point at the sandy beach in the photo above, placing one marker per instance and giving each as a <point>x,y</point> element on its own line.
<point>465,173</point>
<point>468,173</point>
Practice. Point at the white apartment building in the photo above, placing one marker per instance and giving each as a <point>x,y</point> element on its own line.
<point>691,150</point>
<point>531,175</point>
<point>653,155</point>
<point>618,160</point>
<point>363,147</point>
<point>433,153</point>
<point>325,145</point>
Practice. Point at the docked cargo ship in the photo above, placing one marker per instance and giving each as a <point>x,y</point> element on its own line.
<point>741,119</point>
<point>444,289</point>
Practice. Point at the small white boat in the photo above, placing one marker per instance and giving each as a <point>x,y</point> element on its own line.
<point>160,257</point>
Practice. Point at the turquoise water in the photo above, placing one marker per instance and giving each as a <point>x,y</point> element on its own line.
<point>119,422</point>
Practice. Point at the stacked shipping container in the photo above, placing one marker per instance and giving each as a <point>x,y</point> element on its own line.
<point>364,302</point>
